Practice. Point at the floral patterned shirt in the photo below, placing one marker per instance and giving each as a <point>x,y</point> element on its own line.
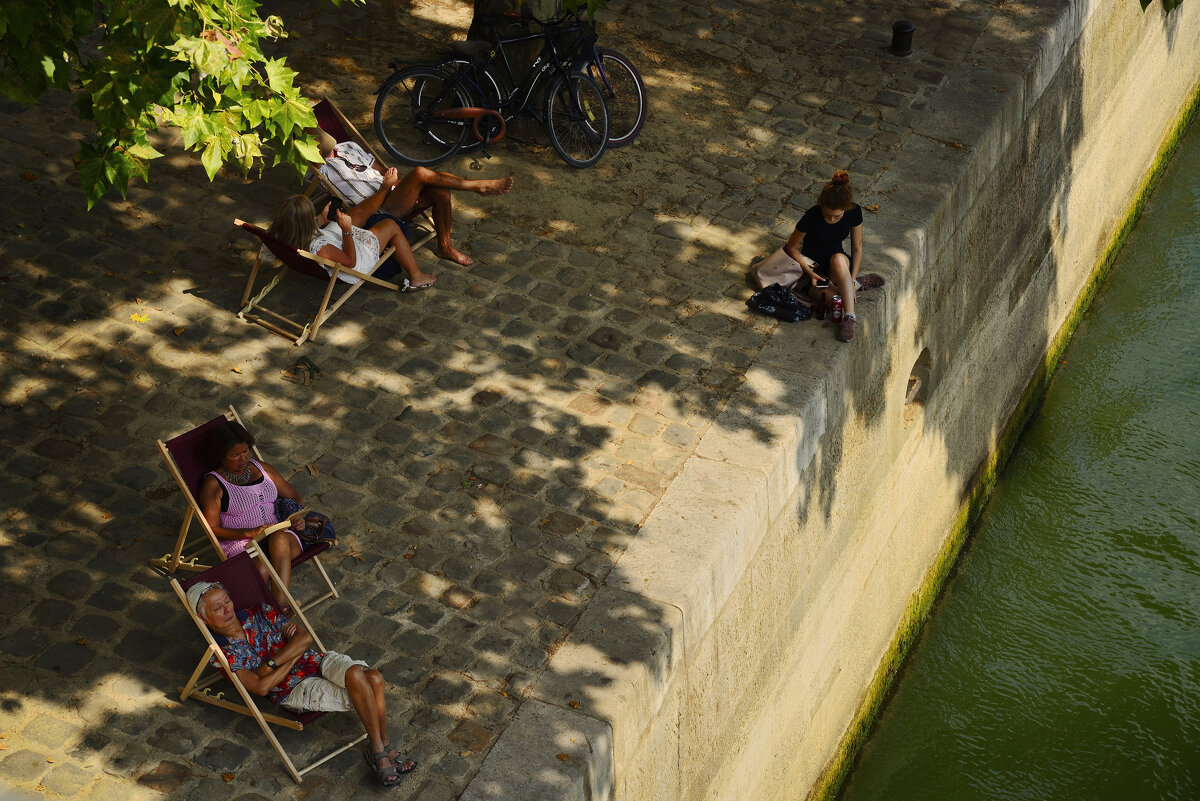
<point>264,625</point>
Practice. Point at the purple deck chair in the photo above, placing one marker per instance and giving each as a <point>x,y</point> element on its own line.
<point>184,457</point>
<point>311,266</point>
<point>246,589</point>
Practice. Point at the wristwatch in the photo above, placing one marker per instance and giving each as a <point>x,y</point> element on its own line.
<point>271,664</point>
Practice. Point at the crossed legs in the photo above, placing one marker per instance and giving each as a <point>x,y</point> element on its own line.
<point>424,188</point>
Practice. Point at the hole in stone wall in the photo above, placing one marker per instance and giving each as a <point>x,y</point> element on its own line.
<point>918,388</point>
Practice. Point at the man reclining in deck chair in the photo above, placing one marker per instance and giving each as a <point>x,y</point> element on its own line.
<point>357,176</point>
<point>274,657</point>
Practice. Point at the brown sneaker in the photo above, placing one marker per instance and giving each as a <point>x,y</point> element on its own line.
<point>870,281</point>
<point>845,331</point>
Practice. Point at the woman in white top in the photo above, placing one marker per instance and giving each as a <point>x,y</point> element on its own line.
<point>341,240</point>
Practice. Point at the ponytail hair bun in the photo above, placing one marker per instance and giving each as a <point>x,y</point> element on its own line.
<point>837,194</point>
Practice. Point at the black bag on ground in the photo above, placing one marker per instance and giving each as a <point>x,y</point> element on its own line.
<point>779,303</point>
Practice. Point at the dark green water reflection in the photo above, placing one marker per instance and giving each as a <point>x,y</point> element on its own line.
<point>1063,660</point>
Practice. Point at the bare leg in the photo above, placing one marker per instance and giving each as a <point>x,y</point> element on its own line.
<point>375,678</point>
<point>839,272</point>
<point>443,220</point>
<point>283,549</point>
<point>424,188</point>
<point>363,697</point>
<point>389,233</point>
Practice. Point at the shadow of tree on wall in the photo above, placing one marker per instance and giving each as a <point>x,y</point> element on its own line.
<point>490,447</point>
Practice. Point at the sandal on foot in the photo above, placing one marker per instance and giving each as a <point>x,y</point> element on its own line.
<point>401,760</point>
<point>870,281</point>
<point>389,776</point>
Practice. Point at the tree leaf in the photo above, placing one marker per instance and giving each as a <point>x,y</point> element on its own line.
<point>279,77</point>
<point>212,158</point>
<point>308,148</point>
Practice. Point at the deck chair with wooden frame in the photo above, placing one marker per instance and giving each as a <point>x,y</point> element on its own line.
<point>184,457</point>
<point>333,122</point>
<point>246,588</point>
<point>309,265</point>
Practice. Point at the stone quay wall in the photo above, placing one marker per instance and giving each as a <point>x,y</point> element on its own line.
<point>744,641</point>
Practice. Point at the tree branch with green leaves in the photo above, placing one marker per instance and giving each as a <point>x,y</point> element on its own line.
<point>134,65</point>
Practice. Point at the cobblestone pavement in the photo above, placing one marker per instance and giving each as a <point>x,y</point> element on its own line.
<point>487,448</point>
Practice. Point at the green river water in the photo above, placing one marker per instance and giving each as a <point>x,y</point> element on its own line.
<point>1063,659</point>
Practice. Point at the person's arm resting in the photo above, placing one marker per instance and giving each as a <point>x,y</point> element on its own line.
<point>792,248</point>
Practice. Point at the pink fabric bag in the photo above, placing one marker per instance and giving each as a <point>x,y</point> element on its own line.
<point>778,268</point>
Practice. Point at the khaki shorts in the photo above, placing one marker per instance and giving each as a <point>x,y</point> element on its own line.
<point>327,692</point>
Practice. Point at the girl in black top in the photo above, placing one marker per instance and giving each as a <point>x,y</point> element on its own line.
<point>817,244</point>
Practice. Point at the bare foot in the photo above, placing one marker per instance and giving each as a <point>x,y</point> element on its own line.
<point>455,256</point>
<point>422,281</point>
<point>495,186</point>
<point>402,763</point>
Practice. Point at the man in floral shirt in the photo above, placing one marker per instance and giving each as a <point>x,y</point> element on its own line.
<point>274,657</point>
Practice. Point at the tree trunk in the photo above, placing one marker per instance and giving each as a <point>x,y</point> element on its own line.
<point>520,56</point>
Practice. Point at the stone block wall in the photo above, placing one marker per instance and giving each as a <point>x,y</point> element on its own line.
<point>741,642</point>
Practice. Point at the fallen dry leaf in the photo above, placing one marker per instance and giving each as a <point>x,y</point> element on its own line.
<point>81,641</point>
<point>574,704</point>
<point>227,777</point>
<point>313,470</point>
<point>237,370</point>
<point>179,330</point>
<point>139,318</point>
<point>563,757</point>
<point>872,207</point>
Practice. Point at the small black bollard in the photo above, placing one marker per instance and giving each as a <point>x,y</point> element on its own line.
<point>902,35</point>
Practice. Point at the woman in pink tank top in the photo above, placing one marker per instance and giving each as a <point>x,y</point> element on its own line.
<point>238,501</point>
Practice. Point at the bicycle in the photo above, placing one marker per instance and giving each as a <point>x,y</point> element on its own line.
<point>624,90</point>
<point>424,113</point>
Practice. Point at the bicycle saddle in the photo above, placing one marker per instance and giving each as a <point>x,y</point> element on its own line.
<point>476,49</point>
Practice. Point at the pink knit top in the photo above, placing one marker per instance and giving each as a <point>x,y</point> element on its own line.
<point>249,506</point>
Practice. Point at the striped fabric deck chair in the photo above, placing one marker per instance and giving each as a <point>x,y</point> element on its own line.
<point>418,225</point>
<point>246,588</point>
<point>184,457</point>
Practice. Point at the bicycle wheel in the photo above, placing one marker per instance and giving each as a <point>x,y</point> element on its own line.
<point>405,121</point>
<point>483,84</point>
<point>577,119</point>
<point>624,93</point>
